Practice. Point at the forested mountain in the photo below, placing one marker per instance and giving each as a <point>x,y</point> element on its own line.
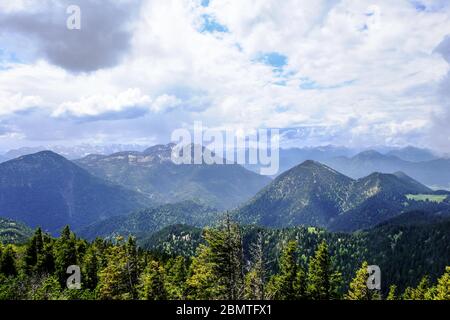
<point>231,262</point>
<point>153,174</point>
<point>147,221</point>
<point>13,232</point>
<point>435,172</point>
<point>47,190</point>
<point>314,194</point>
<point>406,247</point>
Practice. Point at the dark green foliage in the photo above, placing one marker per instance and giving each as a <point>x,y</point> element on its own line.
<point>148,221</point>
<point>231,262</point>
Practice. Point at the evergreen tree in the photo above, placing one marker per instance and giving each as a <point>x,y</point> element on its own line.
<point>392,294</point>
<point>323,283</point>
<point>65,254</point>
<point>358,287</point>
<point>420,292</point>
<point>49,289</point>
<point>203,281</point>
<point>227,257</point>
<point>8,262</point>
<point>33,249</point>
<point>289,284</point>
<point>175,278</point>
<point>255,279</point>
<point>113,281</point>
<point>90,269</point>
<point>442,289</point>
<point>132,266</point>
<point>152,283</point>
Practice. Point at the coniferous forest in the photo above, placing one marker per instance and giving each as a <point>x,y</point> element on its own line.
<point>228,263</point>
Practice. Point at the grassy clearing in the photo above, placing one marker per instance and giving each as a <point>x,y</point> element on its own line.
<point>427,197</point>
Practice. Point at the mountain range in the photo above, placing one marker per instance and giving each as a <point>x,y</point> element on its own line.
<point>153,174</point>
<point>434,173</point>
<point>315,194</point>
<point>45,189</point>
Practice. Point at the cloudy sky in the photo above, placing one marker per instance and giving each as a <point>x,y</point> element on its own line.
<point>354,73</point>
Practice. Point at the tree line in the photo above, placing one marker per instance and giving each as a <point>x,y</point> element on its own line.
<point>219,269</point>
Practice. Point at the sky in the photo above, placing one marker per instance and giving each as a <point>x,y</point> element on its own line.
<point>350,73</point>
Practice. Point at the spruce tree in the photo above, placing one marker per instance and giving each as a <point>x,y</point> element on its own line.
<point>203,282</point>
<point>90,269</point>
<point>392,294</point>
<point>323,282</point>
<point>227,257</point>
<point>358,287</point>
<point>8,262</point>
<point>175,278</point>
<point>442,289</point>
<point>65,254</point>
<point>152,283</point>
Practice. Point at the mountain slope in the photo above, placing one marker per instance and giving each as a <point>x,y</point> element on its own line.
<point>13,231</point>
<point>306,194</point>
<point>153,174</point>
<point>314,194</point>
<point>151,220</point>
<point>45,189</point>
<point>404,252</point>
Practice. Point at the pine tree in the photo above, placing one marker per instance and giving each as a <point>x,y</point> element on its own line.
<point>113,281</point>
<point>49,289</point>
<point>442,289</point>
<point>227,257</point>
<point>323,283</point>
<point>65,254</point>
<point>392,294</point>
<point>175,278</point>
<point>420,292</point>
<point>203,281</point>
<point>152,283</point>
<point>8,262</point>
<point>33,249</point>
<point>90,269</point>
<point>132,266</point>
<point>358,287</point>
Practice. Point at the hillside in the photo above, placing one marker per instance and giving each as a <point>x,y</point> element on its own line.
<point>147,221</point>
<point>314,194</point>
<point>47,190</point>
<point>392,245</point>
<point>13,231</point>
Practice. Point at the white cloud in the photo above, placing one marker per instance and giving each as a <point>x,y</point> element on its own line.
<point>11,103</point>
<point>367,67</point>
<point>100,104</point>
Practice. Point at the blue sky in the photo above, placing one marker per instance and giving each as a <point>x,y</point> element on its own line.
<point>361,73</point>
